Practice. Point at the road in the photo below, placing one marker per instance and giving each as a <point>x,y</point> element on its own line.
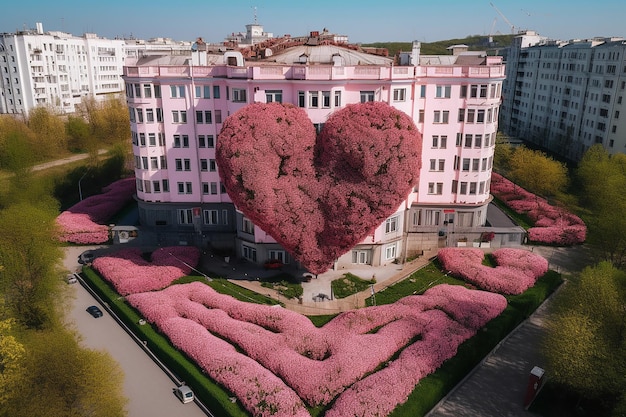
<point>147,387</point>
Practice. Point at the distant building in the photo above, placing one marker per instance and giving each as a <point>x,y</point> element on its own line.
<point>58,69</point>
<point>565,96</point>
<point>178,103</point>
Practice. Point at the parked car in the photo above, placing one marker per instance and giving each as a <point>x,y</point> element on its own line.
<point>86,257</point>
<point>184,394</point>
<point>94,311</point>
<point>71,279</point>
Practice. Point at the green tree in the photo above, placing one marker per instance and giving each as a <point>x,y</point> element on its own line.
<point>29,255</point>
<point>602,180</point>
<point>502,155</point>
<point>79,134</point>
<point>50,131</point>
<point>62,379</point>
<point>537,172</point>
<point>586,340</point>
<point>11,361</point>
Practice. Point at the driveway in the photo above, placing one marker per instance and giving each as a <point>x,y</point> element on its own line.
<point>147,387</point>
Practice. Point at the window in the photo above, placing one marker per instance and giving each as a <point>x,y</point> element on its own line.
<point>137,90</point>
<point>472,189</point>
<point>399,94</point>
<point>463,188</point>
<point>468,141</point>
<point>147,90</point>
<point>213,188</point>
<point>278,255</point>
<point>466,164</point>
<point>441,116</point>
<point>463,91</point>
<point>391,224</point>
<point>442,91</point>
<point>314,99</point>
<point>337,98</point>
<point>218,116</point>
<point>367,96</point>
<point>475,164</point>
<point>248,253</point>
<point>181,141</point>
<point>390,251</point>
<point>478,140</point>
<point>216,91</point>
<point>139,116</point>
<point>212,165</point>
<point>470,115</point>
<point>274,96</point>
<point>166,186</point>
<point>432,217</point>
<point>204,165</point>
<point>326,99</point>
<point>239,95</point>
<point>422,91</point>
<point>156,186</point>
<point>480,116</point>
<point>247,226</point>
<point>435,188</point>
<point>144,162</point>
<point>420,116</point>
<point>163,160</point>
<point>142,139</point>
<point>179,116</point>
<point>150,115</point>
<point>147,186</point>
<point>301,99</point>
<point>211,217</point>
<point>461,115</point>
<point>177,91</point>
<point>157,91</point>
<point>437,165</point>
<point>203,91</point>
<point>154,162</point>
<point>483,91</point>
<point>179,164</point>
<point>205,188</point>
<point>185,216</point>
<point>361,257</point>
<point>159,115</point>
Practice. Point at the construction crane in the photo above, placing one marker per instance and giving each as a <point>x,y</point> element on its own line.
<point>504,17</point>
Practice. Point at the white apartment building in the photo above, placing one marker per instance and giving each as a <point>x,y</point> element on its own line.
<point>57,69</point>
<point>565,96</point>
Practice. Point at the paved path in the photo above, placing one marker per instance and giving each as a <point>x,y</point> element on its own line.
<point>147,387</point>
<point>497,386</point>
<point>67,160</point>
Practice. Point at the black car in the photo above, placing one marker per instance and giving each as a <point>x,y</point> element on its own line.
<point>86,257</point>
<point>94,311</point>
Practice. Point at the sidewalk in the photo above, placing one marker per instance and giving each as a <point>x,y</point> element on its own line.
<point>249,276</point>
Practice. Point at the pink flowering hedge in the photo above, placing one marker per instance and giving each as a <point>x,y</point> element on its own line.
<point>130,273</point>
<point>83,223</point>
<point>516,270</point>
<point>553,225</point>
<point>364,362</point>
<point>318,196</point>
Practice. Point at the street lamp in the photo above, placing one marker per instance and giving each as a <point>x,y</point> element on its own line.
<point>80,191</point>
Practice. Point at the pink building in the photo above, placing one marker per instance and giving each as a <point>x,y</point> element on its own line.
<point>178,103</point>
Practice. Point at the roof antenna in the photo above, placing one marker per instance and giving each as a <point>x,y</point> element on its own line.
<point>255,22</point>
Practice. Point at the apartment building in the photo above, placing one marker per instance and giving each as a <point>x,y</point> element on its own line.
<point>566,96</point>
<point>56,69</point>
<point>177,105</point>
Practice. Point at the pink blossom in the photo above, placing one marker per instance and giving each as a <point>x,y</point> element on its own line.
<point>82,223</point>
<point>517,269</point>
<point>268,356</point>
<point>553,225</point>
<point>318,197</point>
<point>130,273</point>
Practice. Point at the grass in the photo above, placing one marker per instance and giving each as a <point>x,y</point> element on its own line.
<point>350,284</point>
<point>285,284</point>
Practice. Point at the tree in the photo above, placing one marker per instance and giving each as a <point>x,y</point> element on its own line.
<point>50,131</point>
<point>29,279</point>
<point>537,172</point>
<point>79,134</point>
<point>502,155</point>
<point>602,179</point>
<point>11,361</point>
<point>62,379</point>
<point>586,340</point>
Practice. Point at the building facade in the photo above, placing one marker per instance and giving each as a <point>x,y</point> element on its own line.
<point>57,69</point>
<point>177,109</point>
<point>566,96</point>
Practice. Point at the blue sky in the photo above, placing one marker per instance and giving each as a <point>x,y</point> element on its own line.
<point>361,20</point>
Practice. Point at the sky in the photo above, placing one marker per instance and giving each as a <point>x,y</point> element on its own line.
<point>363,21</point>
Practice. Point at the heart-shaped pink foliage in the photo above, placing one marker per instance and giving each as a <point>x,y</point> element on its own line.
<point>318,196</point>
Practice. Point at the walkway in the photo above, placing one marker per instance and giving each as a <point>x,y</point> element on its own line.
<point>249,276</point>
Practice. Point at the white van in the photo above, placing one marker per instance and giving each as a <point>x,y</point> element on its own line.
<point>184,394</point>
